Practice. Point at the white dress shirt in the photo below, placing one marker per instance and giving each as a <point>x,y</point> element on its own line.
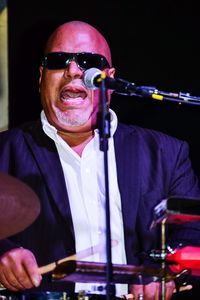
<point>84,177</point>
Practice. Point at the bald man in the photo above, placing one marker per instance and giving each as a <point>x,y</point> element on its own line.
<point>59,157</point>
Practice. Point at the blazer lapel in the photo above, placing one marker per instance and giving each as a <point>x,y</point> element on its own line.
<point>45,153</point>
<point>128,170</point>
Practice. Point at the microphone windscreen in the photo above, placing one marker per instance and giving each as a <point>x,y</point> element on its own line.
<point>89,78</point>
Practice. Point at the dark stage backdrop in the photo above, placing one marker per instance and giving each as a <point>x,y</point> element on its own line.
<point>151,45</point>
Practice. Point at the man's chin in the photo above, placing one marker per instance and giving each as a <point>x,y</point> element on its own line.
<point>72,126</point>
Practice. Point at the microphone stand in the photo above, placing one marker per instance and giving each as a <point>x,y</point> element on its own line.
<point>104,134</point>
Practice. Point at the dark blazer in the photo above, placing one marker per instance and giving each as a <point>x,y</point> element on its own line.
<point>150,166</point>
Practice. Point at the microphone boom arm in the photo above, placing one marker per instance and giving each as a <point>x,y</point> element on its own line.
<point>153,93</point>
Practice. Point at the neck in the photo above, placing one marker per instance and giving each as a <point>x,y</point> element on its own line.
<point>77,140</point>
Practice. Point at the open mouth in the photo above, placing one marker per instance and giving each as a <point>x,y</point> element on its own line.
<point>68,94</point>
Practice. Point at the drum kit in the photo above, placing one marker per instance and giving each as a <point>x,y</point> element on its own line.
<point>172,264</point>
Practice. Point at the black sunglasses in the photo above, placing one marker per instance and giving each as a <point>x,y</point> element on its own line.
<point>84,60</point>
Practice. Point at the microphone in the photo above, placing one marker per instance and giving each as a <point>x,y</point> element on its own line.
<point>93,77</point>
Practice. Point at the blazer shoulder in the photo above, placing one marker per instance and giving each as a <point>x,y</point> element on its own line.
<point>14,134</point>
<point>146,135</point>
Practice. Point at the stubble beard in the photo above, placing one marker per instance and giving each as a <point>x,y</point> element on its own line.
<point>71,118</point>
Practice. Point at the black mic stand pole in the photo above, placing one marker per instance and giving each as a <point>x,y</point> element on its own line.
<point>104,134</point>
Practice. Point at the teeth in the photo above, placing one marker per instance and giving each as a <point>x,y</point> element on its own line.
<point>73,95</point>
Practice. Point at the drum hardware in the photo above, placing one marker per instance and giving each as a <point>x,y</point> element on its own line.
<point>174,210</point>
<point>20,205</point>
<point>83,271</point>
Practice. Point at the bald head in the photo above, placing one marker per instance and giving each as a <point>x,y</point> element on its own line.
<point>78,36</point>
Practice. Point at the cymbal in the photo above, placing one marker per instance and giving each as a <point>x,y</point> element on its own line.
<point>83,271</point>
<point>19,205</point>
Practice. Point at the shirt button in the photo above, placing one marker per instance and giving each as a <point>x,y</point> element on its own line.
<point>100,288</point>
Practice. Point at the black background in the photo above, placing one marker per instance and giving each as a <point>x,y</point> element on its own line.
<point>152,44</point>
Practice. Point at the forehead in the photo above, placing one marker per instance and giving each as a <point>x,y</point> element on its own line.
<point>77,39</point>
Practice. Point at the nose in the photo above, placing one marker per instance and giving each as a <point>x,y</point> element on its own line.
<point>73,71</point>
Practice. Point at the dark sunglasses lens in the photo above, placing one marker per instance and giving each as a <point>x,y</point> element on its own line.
<point>56,61</point>
<point>60,60</point>
<point>89,60</point>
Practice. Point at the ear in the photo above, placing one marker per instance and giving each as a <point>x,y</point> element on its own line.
<point>40,77</point>
<point>111,72</point>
